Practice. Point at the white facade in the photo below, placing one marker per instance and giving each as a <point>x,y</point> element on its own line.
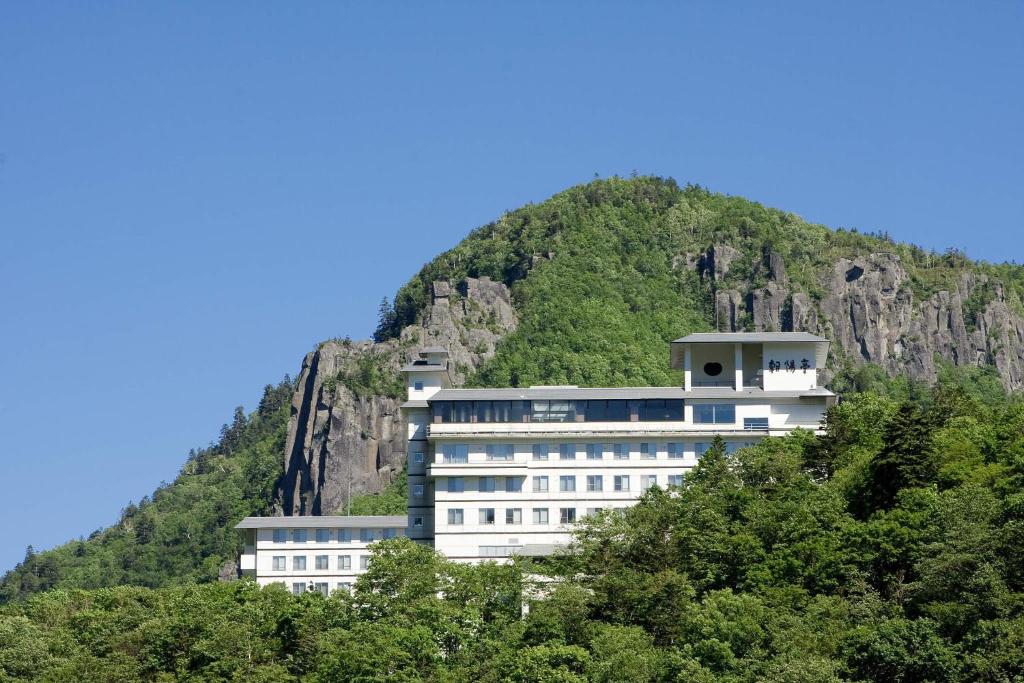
<point>496,472</point>
<point>500,472</point>
<point>312,553</point>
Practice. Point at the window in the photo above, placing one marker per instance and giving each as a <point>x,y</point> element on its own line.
<point>323,535</point>
<point>486,484</point>
<point>345,535</point>
<point>487,515</point>
<point>457,453</point>
<point>417,458</point>
<point>566,451</point>
<point>417,522</point>
<point>594,511</point>
<point>755,423</point>
<point>498,411</point>
<point>661,410</point>
<point>540,484</point>
<point>345,586</point>
<point>714,413</point>
<point>299,563</point>
<point>417,490</point>
<point>567,515</point>
<point>390,532</point>
<point>500,451</point>
<point>675,450</point>
<point>622,482</point>
<point>364,561</point>
<point>344,562</point>
<point>299,535</point>
<point>604,411</point>
<point>280,535</point>
<point>322,588</point>
<point>647,481</point>
<point>700,448</point>
<point>298,588</point>
<point>675,480</point>
<point>622,451</point>
<point>595,482</point>
<point>366,535</point>
<point>553,411</point>
<point>320,562</point>
<point>417,386</point>
<point>648,451</point>
<point>452,411</point>
<point>456,484</point>
<point>513,484</point>
<point>513,515</point>
<point>540,515</point>
<point>595,451</point>
<point>567,483</point>
<point>279,565</point>
<point>540,451</point>
<point>455,516</point>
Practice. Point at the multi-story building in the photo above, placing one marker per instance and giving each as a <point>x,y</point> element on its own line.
<point>312,553</point>
<point>499,472</point>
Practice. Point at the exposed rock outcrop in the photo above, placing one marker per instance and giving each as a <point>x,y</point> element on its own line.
<point>870,313</point>
<point>343,440</point>
<point>714,263</point>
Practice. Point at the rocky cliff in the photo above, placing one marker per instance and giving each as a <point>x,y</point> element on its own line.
<point>870,313</point>
<point>345,435</point>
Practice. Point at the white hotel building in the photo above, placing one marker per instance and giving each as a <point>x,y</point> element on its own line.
<point>501,472</point>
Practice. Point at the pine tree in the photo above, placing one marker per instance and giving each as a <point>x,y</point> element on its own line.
<point>385,320</point>
<point>906,460</point>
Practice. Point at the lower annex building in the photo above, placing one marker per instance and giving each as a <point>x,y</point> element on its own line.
<point>499,472</point>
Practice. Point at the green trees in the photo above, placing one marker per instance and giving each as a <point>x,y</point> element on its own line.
<point>763,565</point>
<point>184,531</point>
<point>905,461</point>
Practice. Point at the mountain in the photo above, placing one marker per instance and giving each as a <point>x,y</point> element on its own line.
<point>587,287</point>
<point>584,288</point>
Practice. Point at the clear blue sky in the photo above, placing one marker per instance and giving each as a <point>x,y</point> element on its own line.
<point>192,195</point>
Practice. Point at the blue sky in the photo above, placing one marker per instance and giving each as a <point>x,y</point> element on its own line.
<point>193,194</point>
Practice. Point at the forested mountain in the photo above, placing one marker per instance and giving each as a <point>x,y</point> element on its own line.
<point>847,535</point>
<point>587,288</point>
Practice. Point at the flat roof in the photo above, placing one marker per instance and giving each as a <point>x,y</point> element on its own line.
<point>424,367</point>
<point>748,337</point>
<point>324,522</point>
<point>612,393</point>
<point>433,349</point>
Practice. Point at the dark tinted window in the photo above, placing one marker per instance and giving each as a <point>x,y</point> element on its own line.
<point>661,410</point>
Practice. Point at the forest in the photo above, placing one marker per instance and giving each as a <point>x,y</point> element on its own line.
<point>890,548</point>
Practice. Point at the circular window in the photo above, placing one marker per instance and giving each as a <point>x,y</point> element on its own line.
<point>712,369</point>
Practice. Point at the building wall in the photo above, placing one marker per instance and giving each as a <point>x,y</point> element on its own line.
<point>261,549</point>
<point>789,380</point>
<point>723,354</point>
<point>473,538</point>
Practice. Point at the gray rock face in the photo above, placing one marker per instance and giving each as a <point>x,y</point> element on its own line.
<point>870,314</point>
<point>766,306</point>
<point>714,263</point>
<point>728,308</point>
<point>341,444</point>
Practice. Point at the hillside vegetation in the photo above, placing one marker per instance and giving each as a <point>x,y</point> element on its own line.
<point>598,281</point>
<point>184,531</point>
<point>889,549</point>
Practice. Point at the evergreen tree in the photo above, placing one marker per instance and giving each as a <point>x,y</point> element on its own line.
<point>386,321</point>
<point>906,460</point>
